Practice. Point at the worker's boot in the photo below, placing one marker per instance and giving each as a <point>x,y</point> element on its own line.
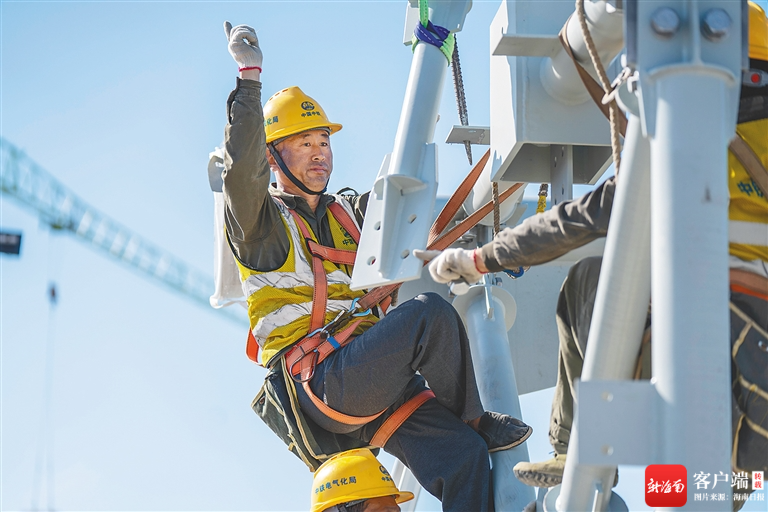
<point>502,432</point>
<point>541,474</point>
<point>546,474</point>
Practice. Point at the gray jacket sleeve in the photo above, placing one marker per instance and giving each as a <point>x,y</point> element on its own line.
<point>544,237</point>
<point>253,222</point>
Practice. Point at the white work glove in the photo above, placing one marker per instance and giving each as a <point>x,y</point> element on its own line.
<point>243,46</point>
<point>451,265</point>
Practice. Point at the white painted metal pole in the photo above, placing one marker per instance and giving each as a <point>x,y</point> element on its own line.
<point>399,209</point>
<point>690,269</point>
<point>620,310</point>
<point>403,196</point>
<point>495,373</point>
<point>420,107</point>
<point>558,74</point>
<point>405,481</point>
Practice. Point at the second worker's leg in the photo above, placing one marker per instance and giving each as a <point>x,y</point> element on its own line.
<point>574,315</point>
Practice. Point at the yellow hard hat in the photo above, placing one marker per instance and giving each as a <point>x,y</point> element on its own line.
<point>290,111</point>
<point>350,476</point>
<point>758,32</point>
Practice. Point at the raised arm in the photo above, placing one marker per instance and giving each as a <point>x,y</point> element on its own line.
<point>253,220</point>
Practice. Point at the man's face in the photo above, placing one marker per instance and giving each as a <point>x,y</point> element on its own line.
<point>383,504</point>
<point>309,157</point>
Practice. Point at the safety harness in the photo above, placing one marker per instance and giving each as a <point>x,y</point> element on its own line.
<point>302,358</point>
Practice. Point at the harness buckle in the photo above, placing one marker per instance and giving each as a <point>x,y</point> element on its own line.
<point>297,377</point>
<point>326,334</point>
<point>354,306</point>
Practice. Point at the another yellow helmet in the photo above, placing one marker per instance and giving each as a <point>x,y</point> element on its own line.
<point>290,111</point>
<point>758,32</point>
<point>350,476</point>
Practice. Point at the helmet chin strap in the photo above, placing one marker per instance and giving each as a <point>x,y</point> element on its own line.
<point>290,175</point>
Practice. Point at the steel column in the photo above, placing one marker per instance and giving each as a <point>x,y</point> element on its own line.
<point>690,271</point>
<point>620,309</point>
<point>489,312</point>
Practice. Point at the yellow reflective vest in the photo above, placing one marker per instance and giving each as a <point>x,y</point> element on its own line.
<point>748,208</point>
<point>280,301</point>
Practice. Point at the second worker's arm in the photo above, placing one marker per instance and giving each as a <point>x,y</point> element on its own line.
<point>536,240</point>
<point>553,233</point>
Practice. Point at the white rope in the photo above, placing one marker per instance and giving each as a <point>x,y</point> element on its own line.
<point>496,214</point>
<point>604,81</point>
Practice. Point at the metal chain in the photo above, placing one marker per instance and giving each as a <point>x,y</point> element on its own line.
<point>496,218</point>
<point>461,99</point>
<point>542,204</point>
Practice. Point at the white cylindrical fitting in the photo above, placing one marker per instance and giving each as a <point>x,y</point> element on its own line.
<point>558,73</point>
<point>482,192</point>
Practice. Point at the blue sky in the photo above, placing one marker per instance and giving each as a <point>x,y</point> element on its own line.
<point>122,102</point>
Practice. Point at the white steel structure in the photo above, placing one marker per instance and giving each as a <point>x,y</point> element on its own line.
<point>681,76</point>
<point>678,85</point>
<point>402,198</point>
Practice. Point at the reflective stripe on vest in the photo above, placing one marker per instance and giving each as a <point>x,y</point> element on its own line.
<point>748,233</point>
<point>748,207</point>
<point>280,301</point>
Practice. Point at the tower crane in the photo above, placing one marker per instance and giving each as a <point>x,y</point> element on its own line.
<point>57,206</point>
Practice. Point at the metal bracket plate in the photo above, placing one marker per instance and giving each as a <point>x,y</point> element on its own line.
<point>615,504</point>
<point>618,422</point>
<point>525,46</point>
<point>480,135</point>
<point>398,215</point>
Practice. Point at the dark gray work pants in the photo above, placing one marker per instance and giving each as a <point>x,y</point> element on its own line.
<point>378,370</point>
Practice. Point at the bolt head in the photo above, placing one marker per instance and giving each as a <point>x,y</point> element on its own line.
<point>715,24</point>
<point>665,22</point>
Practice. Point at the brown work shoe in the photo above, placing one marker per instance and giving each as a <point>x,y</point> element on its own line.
<point>546,474</point>
<point>541,474</point>
<point>501,431</point>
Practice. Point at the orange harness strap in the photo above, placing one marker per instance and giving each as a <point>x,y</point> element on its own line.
<point>311,350</point>
<point>398,417</point>
<point>340,256</point>
<point>303,357</point>
<point>743,281</point>
<point>343,218</point>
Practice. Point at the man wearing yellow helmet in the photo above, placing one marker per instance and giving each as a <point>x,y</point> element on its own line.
<point>294,246</point>
<point>572,224</point>
<point>355,481</point>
